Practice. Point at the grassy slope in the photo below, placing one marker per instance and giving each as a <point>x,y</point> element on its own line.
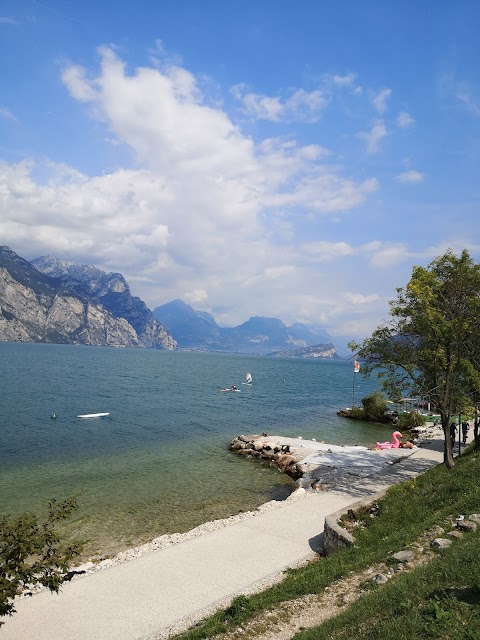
<point>434,601</point>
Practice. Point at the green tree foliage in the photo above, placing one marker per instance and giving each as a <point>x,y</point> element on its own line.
<point>31,552</point>
<point>375,407</point>
<point>430,346</point>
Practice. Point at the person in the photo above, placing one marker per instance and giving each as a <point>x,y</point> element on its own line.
<point>233,387</point>
<point>453,433</point>
<point>465,428</point>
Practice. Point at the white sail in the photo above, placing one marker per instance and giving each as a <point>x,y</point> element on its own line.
<point>248,378</point>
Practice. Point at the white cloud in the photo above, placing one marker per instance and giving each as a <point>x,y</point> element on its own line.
<point>463,92</point>
<point>389,255</point>
<point>74,78</point>
<point>380,100</point>
<point>410,176</point>
<point>207,213</point>
<point>8,20</point>
<point>7,114</point>
<point>470,102</point>
<point>300,106</point>
<point>344,81</point>
<point>404,120</point>
<point>197,296</point>
<point>327,251</point>
<point>360,298</point>
<point>374,136</point>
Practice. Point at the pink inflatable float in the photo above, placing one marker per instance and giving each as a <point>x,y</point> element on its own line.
<point>390,445</point>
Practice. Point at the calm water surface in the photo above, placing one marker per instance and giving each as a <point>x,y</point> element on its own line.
<point>159,463</point>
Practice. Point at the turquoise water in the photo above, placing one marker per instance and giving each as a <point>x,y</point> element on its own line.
<point>159,463</point>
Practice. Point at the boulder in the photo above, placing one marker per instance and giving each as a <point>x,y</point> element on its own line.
<point>441,543</point>
<point>284,461</point>
<point>403,556</point>
<point>455,534</point>
<point>466,525</point>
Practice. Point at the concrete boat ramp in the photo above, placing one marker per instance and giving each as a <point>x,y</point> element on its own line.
<point>165,591</point>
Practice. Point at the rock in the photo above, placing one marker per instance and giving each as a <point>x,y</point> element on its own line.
<point>403,556</point>
<point>237,445</point>
<point>83,568</point>
<point>466,525</point>
<point>441,543</point>
<point>268,454</point>
<point>246,438</point>
<point>437,530</point>
<point>380,578</point>
<point>455,534</point>
<point>474,517</point>
<point>105,564</point>
<point>284,461</point>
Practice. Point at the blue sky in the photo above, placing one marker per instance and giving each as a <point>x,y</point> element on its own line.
<point>278,158</point>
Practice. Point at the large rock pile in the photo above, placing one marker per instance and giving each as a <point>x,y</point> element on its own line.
<point>276,454</point>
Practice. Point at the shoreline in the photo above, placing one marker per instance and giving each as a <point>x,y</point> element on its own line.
<point>150,594</point>
<point>307,486</point>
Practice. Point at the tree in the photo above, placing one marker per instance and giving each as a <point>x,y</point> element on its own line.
<point>430,345</point>
<point>31,552</point>
<point>375,407</point>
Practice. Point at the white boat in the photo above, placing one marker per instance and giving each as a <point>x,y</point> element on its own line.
<point>93,415</point>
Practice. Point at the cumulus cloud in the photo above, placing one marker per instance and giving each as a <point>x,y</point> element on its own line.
<point>206,213</point>
<point>300,106</point>
<point>389,255</point>
<point>404,120</point>
<point>380,100</point>
<point>411,176</point>
<point>374,136</point>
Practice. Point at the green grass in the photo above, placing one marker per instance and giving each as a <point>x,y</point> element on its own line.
<point>451,583</point>
<point>438,600</point>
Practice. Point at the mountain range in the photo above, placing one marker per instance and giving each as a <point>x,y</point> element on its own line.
<point>258,335</point>
<point>51,300</point>
<point>60,302</point>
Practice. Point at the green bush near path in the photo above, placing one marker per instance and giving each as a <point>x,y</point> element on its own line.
<point>451,582</point>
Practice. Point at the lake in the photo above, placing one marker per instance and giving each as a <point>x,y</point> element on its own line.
<point>159,463</point>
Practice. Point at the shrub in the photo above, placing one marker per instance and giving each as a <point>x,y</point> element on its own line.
<point>375,407</point>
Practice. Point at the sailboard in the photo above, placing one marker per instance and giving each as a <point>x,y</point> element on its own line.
<point>248,379</point>
<point>93,415</point>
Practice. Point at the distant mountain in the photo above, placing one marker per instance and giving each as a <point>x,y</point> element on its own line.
<point>37,308</point>
<point>112,292</point>
<point>317,351</point>
<point>259,335</point>
<point>192,329</point>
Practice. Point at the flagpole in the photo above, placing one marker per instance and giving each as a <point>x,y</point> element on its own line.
<point>353,389</point>
<point>356,369</point>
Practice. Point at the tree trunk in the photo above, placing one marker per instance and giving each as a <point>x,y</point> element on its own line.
<point>447,445</point>
<point>476,433</point>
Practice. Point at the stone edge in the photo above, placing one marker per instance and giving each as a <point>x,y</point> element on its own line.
<point>335,536</point>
